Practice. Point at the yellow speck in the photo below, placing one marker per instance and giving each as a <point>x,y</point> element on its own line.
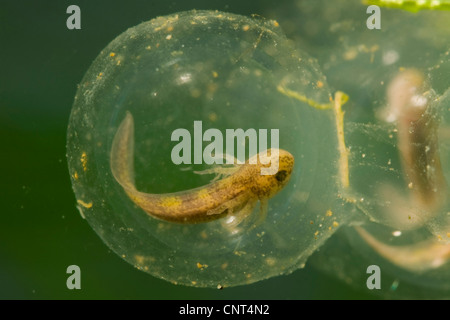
<point>335,224</point>
<point>311,222</point>
<point>100,75</point>
<point>212,117</point>
<point>246,27</point>
<point>350,54</point>
<point>83,160</point>
<point>85,204</point>
<point>139,259</point>
<point>75,175</point>
<point>319,84</point>
<point>410,185</point>
<point>448,234</point>
<point>124,256</point>
<point>168,37</point>
<point>215,74</point>
<point>271,261</point>
<point>112,54</point>
<point>171,202</point>
<point>148,47</point>
<point>224,266</point>
<point>201,266</point>
<point>170,29</point>
<point>276,24</point>
<point>316,233</point>
<point>329,213</point>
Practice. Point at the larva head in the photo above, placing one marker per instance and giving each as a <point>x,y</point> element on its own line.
<point>274,171</point>
<point>407,96</point>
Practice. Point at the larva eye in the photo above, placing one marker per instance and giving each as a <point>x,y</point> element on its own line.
<point>281,175</point>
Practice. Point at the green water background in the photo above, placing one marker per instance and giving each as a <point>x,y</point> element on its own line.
<point>41,231</point>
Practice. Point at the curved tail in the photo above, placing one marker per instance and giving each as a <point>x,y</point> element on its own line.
<point>122,154</point>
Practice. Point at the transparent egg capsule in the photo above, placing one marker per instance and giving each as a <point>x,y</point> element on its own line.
<point>398,178</point>
<point>408,204</point>
<point>153,122</point>
<point>396,141</point>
